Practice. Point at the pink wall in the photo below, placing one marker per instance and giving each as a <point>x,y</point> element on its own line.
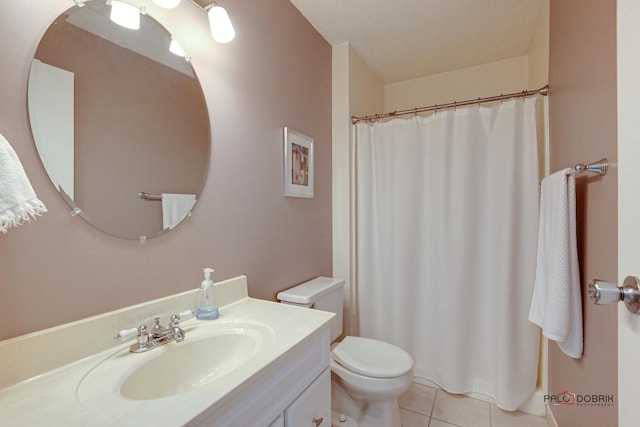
<point>277,72</point>
<point>582,105</point>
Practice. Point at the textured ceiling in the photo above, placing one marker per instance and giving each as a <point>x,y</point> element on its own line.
<point>405,39</point>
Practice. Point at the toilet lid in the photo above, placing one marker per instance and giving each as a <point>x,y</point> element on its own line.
<point>372,358</point>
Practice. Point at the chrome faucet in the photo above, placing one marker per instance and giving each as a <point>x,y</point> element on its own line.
<point>159,335</point>
<point>174,325</point>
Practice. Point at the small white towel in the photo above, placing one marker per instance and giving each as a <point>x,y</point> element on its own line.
<point>556,305</point>
<point>18,201</point>
<point>175,207</point>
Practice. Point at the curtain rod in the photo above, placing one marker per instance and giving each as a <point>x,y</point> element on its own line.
<point>544,91</point>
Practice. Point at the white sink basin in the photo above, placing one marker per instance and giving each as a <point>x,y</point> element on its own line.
<point>190,364</point>
<point>208,353</point>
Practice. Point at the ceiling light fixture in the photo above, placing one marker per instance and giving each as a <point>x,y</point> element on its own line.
<point>128,16</point>
<point>221,27</point>
<point>125,15</point>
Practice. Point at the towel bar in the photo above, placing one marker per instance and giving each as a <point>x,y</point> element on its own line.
<point>146,196</point>
<point>600,167</point>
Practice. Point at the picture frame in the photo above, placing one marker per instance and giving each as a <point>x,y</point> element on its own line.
<point>298,164</point>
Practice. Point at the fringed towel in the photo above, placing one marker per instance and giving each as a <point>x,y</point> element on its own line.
<point>18,201</point>
<point>556,305</point>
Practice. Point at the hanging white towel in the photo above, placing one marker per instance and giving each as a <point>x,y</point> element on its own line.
<point>557,302</point>
<point>175,207</point>
<point>18,201</point>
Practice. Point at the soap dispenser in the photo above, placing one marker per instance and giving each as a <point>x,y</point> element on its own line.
<point>207,309</point>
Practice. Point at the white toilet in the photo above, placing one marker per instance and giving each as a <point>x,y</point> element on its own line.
<point>368,375</point>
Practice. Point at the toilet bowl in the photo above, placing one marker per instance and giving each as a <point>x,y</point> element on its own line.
<point>368,375</point>
<point>372,370</point>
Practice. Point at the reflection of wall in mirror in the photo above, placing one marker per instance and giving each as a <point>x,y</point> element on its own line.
<point>121,115</point>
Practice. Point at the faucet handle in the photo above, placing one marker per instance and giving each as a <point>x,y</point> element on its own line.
<point>185,315</point>
<point>143,335</point>
<point>174,325</point>
<point>174,320</point>
<point>125,334</point>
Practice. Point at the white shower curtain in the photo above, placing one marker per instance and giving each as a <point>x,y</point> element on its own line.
<point>447,210</point>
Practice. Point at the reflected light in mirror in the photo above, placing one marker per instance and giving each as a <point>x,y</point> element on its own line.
<point>221,27</point>
<point>175,48</point>
<point>167,4</point>
<point>125,15</point>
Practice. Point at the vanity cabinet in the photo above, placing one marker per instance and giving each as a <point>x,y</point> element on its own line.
<point>290,392</point>
<point>284,382</point>
<point>313,406</point>
<point>279,422</point>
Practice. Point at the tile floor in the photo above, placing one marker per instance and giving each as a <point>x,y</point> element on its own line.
<point>424,406</point>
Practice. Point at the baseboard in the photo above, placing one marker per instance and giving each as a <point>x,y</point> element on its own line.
<point>551,420</point>
<point>535,404</point>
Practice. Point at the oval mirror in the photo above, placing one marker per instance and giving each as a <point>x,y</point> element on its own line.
<point>116,115</point>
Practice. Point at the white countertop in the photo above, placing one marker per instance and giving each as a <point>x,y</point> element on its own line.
<point>52,398</point>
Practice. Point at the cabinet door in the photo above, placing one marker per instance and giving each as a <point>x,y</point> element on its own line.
<point>313,407</point>
<point>279,422</point>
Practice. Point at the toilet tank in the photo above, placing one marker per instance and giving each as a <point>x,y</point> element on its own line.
<point>322,293</point>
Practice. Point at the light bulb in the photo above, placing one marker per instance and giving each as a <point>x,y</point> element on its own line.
<point>125,15</point>
<point>221,27</point>
<point>167,4</point>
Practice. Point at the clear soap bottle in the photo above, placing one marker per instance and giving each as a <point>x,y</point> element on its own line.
<point>207,308</point>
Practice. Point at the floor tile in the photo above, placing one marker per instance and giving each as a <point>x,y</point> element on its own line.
<point>460,410</point>
<point>419,398</point>
<point>500,418</point>
<point>438,423</point>
<point>413,419</point>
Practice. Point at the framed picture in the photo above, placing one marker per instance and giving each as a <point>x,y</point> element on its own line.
<point>298,164</point>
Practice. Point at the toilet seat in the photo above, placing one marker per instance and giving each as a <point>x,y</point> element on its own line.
<point>372,358</point>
